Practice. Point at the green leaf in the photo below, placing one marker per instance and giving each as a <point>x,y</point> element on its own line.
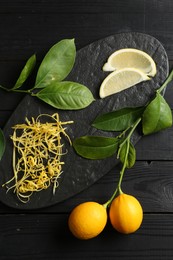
<point>157,116</point>
<point>118,120</point>
<point>57,63</point>
<point>26,71</point>
<point>131,156</point>
<point>95,147</point>
<point>66,95</point>
<point>2,144</point>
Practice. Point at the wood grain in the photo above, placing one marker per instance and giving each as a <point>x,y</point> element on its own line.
<point>84,27</point>
<point>37,238</point>
<point>157,146</point>
<point>28,27</point>
<point>69,6</point>
<point>149,181</point>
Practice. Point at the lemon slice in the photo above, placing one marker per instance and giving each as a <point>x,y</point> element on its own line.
<point>120,80</point>
<point>131,58</point>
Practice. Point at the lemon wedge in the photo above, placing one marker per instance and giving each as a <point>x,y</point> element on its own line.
<point>120,80</point>
<point>131,58</point>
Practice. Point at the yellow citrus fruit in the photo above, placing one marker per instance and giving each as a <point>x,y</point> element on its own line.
<point>131,58</point>
<point>87,220</point>
<point>126,213</point>
<point>120,80</point>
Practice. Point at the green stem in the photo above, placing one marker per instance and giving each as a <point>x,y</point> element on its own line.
<point>21,91</point>
<point>107,204</point>
<point>16,90</point>
<point>169,79</point>
<point>124,132</point>
<point>127,139</point>
<point>133,127</point>
<point>118,189</point>
<point>124,167</point>
<point>6,89</point>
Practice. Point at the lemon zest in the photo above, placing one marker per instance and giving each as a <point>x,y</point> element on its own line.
<point>37,152</point>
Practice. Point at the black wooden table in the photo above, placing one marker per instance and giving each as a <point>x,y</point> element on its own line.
<point>28,27</point>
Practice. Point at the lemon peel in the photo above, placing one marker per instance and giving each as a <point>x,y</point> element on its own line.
<point>120,80</point>
<point>37,152</point>
<point>131,58</point>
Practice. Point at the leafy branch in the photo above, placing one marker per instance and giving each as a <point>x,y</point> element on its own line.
<point>49,85</point>
<point>154,117</point>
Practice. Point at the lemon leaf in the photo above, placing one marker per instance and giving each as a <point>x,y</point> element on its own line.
<point>26,71</point>
<point>66,95</point>
<point>131,154</point>
<point>118,120</point>
<point>96,147</point>
<point>57,63</point>
<point>157,116</point>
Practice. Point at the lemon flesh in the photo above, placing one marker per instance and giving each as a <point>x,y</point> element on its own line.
<point>120,80</point>
<point>131,58</point>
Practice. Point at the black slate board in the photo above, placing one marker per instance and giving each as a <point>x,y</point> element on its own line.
<point>79,173</point>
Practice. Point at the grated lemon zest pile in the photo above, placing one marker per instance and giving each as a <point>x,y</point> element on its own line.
<point>37,153</point>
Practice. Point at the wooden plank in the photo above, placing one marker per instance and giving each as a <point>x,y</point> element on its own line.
<point>44,31</point>
<point>9,100</point>
<point>31,236</point>
<point>4,116</point>
<point>34,26</point>
<point>10,71</point>
<point>159,7</point>
<point>169,95</point>
<point>84,6</point>
<point>158,146</point>
<point>150,182</point>
<point>68,6</point>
